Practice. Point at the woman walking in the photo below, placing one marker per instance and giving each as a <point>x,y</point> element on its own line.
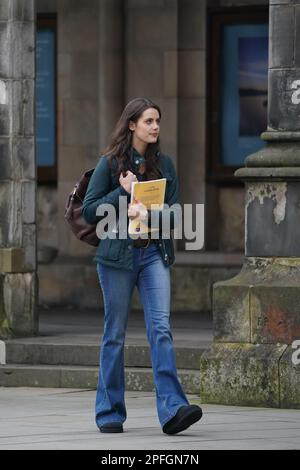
<point>123,263</point>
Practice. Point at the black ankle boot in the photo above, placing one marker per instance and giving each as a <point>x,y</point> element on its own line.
<point>111,427</point>
<point>185,417</point>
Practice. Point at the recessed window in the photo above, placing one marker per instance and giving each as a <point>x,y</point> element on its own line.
<point>46,143</point>
<point>238,97</point>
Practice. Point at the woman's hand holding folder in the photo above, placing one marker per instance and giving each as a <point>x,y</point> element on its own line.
<point>137,210</point>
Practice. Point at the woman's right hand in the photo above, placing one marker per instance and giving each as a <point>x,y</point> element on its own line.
<point>126,181</point>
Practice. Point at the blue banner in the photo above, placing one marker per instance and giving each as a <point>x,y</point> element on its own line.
<point>45,98</point>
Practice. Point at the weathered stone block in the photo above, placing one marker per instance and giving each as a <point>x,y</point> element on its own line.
<point>297,37</point>
<point>77,23</point>
<point>271,211</point>
<point>3,92</point>
<point>23,151</point>
<point>4,120</point>
<point>70,163</point>
<point>4,326</point>
<point>16,108</point>
<point>19,294</point>
<point>261,301</point>
<point>289,373</point>
<point>5,59</point>
<point>109,112</point>
<point>112,25</point>
<point>20,62</point>
<point>190,381</point>
<point>10,214</point>
<point>17,158</point>
<point>231,311</point>
<point>169,126</point>
<point>283,113</point>
<point>191,172</point>
<point>170,74</point>
<point>110,82</point>
<point>22,10</point>
<point>47,216</point>
<point>30,376</point>
<point>64,63</point>
<point>84,75</point>
<point>80,122</point>
<point>79,377</point>
<point>191,85</point>
<point>29,246</point>
<point>282,24</point>
<point>144,3</point>
<point>192,24</point>
<point>11,260</point>
<point>5,162</point>
<point>275,315</point>
<point>61,284</point>
<point>140,67</point>
<point>23,50</point>
<point>191,114</point>
<point>155,29</point>
<point>4,10</point>
<point>191,288</point>
<point>28,107</point>
<point>28,201</point>
<point>241,374</point>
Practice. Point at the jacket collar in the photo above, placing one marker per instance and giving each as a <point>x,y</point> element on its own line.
<point>136,159</point>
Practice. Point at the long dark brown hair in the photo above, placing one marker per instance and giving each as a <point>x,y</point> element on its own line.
<point>121,139</point>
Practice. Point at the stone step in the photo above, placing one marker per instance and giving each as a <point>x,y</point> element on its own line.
<point>37,351</point>
<point>51,376</point>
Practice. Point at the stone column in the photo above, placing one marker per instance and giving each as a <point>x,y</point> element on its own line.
<point>191,57</point>
<point>18,281</point>
<point>111,66</point>
<point>253,358</point>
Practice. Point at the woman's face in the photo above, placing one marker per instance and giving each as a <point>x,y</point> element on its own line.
<point>146,129</point>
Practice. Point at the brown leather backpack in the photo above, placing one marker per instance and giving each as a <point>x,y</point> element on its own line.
<point>73,212</point>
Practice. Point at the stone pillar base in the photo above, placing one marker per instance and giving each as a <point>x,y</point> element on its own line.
<point>18,315</point>
<point>256,321</point>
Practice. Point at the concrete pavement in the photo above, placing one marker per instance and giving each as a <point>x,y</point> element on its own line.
<point>43,418</point>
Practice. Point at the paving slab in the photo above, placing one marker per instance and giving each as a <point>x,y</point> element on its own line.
<point>63,419</point>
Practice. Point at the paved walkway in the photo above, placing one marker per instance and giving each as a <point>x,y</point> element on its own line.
<point>41,418</point>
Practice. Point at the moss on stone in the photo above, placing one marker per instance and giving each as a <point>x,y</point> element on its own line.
<point>241,374</point>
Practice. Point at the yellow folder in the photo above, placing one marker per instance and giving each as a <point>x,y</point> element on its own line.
<point>150,193</point>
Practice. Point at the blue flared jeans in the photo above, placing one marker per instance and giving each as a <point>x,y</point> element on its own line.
<point>152,279</point>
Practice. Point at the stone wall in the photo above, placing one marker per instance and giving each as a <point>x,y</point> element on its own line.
<point>75,284</point>
<point>77,105</point>
<point>47,223</point>
<point>151,61</point>
<point>192,99</point>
